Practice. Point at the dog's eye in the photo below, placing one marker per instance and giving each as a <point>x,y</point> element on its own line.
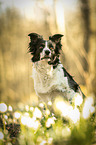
<point>41,47</point>
<point>51,48</point>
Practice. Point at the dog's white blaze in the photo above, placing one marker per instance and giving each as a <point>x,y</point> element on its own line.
<point>46,44</point>
<point>45,48</point>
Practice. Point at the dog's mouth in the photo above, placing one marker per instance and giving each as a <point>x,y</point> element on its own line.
<point>45,57</point>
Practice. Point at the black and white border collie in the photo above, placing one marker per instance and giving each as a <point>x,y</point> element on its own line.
<point>50,77</point>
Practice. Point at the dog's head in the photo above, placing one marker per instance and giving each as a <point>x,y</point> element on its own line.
<point>45,49</point>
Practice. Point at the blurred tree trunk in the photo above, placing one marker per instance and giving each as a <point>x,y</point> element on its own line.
<point>87,14</point>
<point>92,53</point>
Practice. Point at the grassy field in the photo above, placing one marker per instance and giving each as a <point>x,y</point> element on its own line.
<point>67,124</point>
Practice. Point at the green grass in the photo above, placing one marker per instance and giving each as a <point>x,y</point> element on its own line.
<point>49,124</point>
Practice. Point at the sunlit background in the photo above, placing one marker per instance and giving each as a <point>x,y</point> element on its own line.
<point>75,19</point>
<point>24,120</point>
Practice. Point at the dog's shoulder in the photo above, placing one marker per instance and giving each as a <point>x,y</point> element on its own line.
<point>72,84</point>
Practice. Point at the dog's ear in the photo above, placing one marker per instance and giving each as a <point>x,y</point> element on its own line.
<point>56,38</point>
<point>34,37</point>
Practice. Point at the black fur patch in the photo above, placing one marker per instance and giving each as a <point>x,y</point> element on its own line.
<point>57,40</point>
<point>54,61</point>
<point>73,85</point>
<point>34,49</point>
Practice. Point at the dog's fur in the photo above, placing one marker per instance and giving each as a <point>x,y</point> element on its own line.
<point>50,77</point>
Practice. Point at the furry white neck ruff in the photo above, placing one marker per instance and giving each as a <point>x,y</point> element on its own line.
<point>50,83</point>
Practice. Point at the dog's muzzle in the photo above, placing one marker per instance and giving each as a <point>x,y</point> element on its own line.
<point>46,54</point>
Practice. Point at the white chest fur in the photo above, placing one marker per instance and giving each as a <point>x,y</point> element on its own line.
<point>47,80</point>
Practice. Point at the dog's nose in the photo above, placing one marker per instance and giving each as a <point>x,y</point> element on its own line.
<point>47,52</point>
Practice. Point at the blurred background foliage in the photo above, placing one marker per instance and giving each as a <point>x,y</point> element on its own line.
<point>76,21</point>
